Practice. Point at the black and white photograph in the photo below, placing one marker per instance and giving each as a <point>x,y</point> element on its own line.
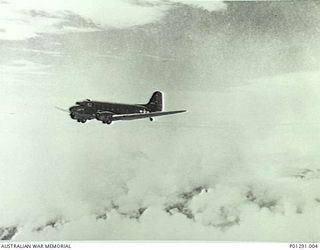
<point>159,120</point>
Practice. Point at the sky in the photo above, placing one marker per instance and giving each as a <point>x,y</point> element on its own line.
<point>240,165</point>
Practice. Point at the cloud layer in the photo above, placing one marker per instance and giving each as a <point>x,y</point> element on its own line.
<point>242,177</point>
<point>25,19</point>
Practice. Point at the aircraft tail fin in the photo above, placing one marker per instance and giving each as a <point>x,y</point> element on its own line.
<point>155,103</point>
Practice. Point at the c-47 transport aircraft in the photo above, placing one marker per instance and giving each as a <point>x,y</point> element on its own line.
<point>107,112</point>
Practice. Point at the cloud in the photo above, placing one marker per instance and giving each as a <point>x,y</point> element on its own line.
<point>37,51</point>
<point>21,20</point>
<point>206,5</point>
<point>150,181</point>
<point>25,19</point>
<point>15,67</point>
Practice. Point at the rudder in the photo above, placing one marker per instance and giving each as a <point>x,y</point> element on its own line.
<point>155,103</point>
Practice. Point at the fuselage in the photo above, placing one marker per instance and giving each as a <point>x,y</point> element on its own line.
<point>87,110</point>
<point>107,112</point>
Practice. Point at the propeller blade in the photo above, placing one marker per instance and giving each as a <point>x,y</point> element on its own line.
<point>61,109</point>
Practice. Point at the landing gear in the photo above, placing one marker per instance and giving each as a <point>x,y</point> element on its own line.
<point>151,119</point>
<point>108,121</point>
<point>81,120</point>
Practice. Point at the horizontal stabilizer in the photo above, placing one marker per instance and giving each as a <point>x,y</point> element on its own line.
<point>144,115</point>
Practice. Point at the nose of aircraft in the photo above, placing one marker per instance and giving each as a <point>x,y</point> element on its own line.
<point>71,108</point>
<point>75,109</point>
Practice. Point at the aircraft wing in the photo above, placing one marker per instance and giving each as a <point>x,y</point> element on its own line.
<point>144,115</point>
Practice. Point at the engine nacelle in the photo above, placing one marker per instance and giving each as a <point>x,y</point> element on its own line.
<point>78,116</point>
<point>105,117</point>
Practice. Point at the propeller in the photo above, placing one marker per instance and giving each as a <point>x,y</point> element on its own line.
<point>62,109</point>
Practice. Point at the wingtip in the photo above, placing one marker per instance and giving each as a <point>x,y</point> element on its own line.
<point>181,111</point>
